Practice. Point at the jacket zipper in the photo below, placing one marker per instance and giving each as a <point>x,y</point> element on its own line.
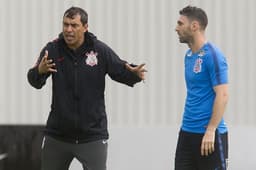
<point>76,97</point>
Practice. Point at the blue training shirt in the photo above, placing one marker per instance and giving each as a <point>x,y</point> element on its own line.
<point>203,70</point>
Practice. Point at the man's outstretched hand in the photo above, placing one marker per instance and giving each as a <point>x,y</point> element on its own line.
<point>138,70</point>
<point>46,65</point>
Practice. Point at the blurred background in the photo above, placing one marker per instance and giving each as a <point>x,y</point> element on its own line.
<point>143,121</point>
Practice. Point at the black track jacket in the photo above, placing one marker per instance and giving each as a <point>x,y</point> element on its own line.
<point>78,106</point>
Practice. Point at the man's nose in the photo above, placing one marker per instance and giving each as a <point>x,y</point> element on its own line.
<point>69,28</point>
<point>176,29</point>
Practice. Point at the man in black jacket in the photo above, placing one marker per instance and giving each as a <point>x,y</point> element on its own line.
<point>78,64</point>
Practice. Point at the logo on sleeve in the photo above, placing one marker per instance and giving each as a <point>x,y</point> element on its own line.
<point>91,58</point>
<point>198,65</point>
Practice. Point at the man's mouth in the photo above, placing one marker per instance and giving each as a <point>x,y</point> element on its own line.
<point>69,37</point>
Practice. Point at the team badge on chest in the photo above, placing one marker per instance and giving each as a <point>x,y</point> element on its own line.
<point>91,58</point>
<point>198,65</point>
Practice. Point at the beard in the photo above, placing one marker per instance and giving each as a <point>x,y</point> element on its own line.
<point>185,39</point>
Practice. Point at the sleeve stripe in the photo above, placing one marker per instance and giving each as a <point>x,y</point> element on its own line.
<point>217,67</point>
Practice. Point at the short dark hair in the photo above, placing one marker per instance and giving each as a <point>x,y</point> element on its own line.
<point>73,11</point>
<point>195,13</point>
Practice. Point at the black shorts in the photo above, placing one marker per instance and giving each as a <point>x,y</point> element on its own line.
<point>188,152</point>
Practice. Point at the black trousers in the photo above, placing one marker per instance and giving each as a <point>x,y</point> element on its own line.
<point>188,152</point>
<point>57,155</point>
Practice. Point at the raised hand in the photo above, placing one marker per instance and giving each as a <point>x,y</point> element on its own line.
<point>46,65</point>
<point>138,70</point>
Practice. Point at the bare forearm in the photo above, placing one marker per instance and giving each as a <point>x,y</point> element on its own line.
<point>219,107</point>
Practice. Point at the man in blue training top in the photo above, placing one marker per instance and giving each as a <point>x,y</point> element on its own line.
<point>203,139</point>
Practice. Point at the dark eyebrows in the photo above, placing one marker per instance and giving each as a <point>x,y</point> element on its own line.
<point>72,24</point>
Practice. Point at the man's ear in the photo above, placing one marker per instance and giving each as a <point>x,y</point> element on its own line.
<point>195,25</point>
<point>85,27</point>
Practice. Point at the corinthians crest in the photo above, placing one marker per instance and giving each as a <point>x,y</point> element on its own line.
<point>91,58</point>
<point>198,65</point>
